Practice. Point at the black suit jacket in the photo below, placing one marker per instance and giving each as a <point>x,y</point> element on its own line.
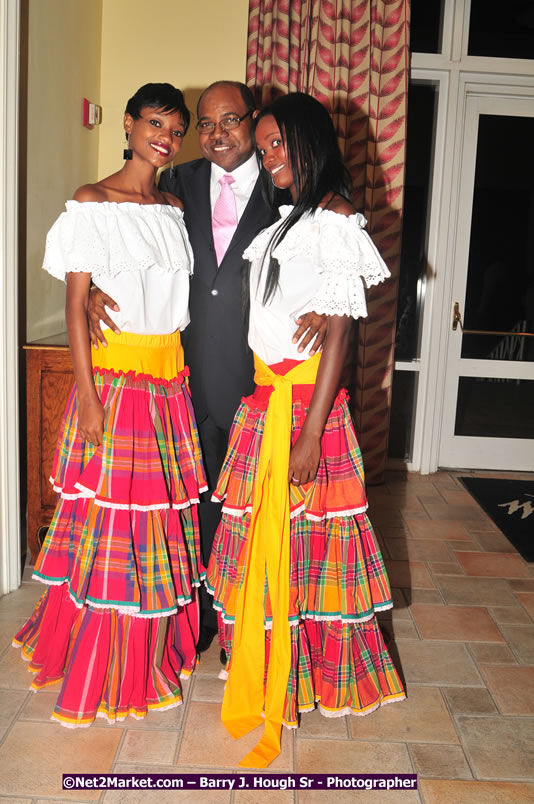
<point>215,342</point>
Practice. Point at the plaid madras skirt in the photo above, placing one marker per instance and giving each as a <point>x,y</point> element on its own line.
<point>337,577</point>
<point>119,621</point>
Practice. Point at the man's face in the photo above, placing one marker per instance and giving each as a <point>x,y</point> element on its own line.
<point>228,149</point>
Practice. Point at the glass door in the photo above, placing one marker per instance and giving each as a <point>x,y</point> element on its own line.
<point>488,420</point>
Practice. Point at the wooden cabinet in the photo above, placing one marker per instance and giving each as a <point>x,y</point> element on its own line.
<point>49,379</point>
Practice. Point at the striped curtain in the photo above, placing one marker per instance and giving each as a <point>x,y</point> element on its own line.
<point>353,57</point>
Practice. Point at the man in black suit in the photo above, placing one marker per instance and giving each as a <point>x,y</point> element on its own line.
<point>215,342</point>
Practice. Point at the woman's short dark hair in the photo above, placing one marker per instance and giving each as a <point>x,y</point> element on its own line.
<point>159,96</point>
<point>312,147</point>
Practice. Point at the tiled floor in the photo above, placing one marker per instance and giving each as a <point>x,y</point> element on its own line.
<point>463,639</point>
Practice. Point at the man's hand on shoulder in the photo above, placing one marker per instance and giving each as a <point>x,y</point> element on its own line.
<point>97,313</point>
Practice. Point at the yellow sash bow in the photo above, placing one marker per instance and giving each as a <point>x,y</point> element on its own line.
<point>268,550</point>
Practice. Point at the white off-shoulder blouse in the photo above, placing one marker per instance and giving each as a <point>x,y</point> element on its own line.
<point>139,254</point>
<point>326,261</point>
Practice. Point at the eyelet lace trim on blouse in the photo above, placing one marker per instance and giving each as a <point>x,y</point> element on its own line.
<point>108,238</point>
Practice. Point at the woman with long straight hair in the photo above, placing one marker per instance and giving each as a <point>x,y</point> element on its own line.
<point>295,570</point>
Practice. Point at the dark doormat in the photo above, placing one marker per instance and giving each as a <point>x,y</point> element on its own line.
<point>510,503</point>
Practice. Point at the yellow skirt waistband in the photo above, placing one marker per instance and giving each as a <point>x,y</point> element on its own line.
<point>161,356</point>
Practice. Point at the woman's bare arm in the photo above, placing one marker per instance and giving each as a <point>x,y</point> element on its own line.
<point>306,452</point>
<point>90,409</point>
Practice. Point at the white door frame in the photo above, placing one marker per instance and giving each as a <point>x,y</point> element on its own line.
<point>476,452</point>
<point>10,531</point>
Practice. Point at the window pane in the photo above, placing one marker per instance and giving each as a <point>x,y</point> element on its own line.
<point>422,102</point>
<point>425,26</point>
<point>500,280</point>
<point>495,408</point>
<point>401,424</point>
<point>502,29</point>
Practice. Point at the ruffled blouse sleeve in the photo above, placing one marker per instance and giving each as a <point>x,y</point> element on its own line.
<point>344,255</point>
<point>108,238</point>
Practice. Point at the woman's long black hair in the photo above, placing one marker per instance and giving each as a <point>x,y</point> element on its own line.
<point>313,151</point>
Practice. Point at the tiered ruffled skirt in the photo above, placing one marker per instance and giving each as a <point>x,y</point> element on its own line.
<point>119,621</point>
<point>337,577</point>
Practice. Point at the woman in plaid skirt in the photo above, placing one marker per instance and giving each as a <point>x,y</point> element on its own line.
<point>295,571</point>
<point>118,623</point>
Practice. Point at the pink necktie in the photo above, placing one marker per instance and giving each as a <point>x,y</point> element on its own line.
<point>224,218</point>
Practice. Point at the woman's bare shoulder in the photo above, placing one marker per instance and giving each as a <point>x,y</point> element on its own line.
<point>172,200</point>
<point>90,192</point>
<point>339,204</point>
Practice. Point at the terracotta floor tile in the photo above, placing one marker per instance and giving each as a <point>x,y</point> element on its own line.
<point>313,724</point>
<point>274,796</point>
<point>457,497</point>
<point>40,705</point>
<point>494,542</point>
<point>433,529</point>
<point>404,629</point>
<point>14,671</point>
<point>527,600</point>
<point>223,749</point>
<point>521,639</point>
<point>206,688</point>
<point>10,703</point>
<point>510,615</point>
<point>159,720</point>
<point>492,654</point>
<point>352,756</point>
<point>418,549</point>
<point>474,591</point>
<point>456,792</point>
<point>463,546</point>
<point>459,513</point>
<point>430,596</point>
<point>512,688</point>
<point>394,531</point>
<point>522,585</point>
<point>164,796</point>
<point>409,574</point>
<point>446,568</point>
<point>493,565</point>
<point>444,663</point>
<point>440,761</point>
<point>460,623</point>
<point>499,747</point>
<point>356,797</point>
<point>209,663</point>
<point>54,750</point>
<point>469,701</point>
<point>8,628</point>
<point>20,604</point>
<point>155,747</point>
<point>422,717</point>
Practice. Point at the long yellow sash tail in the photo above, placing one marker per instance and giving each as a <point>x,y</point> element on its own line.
<point>268,549</point>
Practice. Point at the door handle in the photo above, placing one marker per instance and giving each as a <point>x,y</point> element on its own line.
<point>457,321</point>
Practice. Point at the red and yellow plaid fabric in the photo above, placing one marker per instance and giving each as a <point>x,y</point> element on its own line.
<point>119,622</point>
<point>337,577</point>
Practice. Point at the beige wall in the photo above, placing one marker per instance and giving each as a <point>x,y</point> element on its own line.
<point>63,67</point>
<point>188,43</point>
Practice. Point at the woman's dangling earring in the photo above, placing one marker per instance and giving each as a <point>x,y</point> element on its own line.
<point>127,153</point>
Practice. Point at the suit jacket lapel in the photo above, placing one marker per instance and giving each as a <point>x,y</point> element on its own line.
<point>199,193</point>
